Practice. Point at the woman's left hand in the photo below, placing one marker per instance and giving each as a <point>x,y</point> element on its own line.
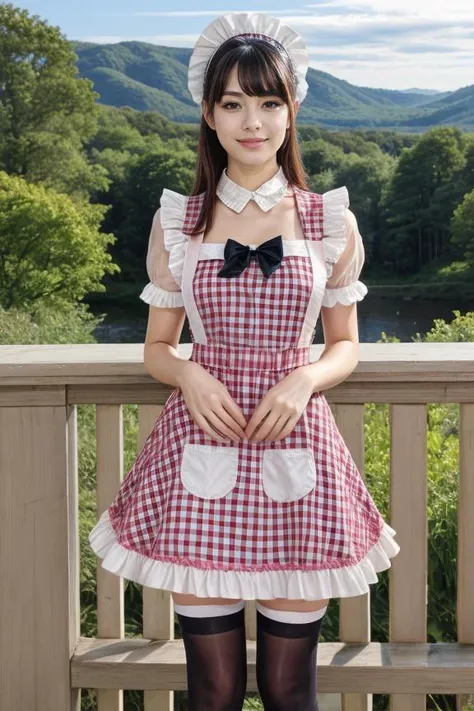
<point>281,408</point>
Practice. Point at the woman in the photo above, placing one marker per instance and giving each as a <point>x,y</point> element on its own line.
<point>245,488</point>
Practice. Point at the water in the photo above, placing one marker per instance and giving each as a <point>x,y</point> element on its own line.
<point>401,317</point>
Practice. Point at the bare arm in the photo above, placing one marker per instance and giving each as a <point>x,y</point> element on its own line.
<point>339,321</point>
<point>161,358</point>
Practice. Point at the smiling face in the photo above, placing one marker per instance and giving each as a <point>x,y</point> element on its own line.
<point>239,116</point>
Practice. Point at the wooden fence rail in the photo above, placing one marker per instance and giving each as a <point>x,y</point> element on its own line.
<point>44,660</point>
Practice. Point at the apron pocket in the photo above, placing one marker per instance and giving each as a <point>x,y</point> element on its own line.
<point>288,474</point>
<point>208,471</point>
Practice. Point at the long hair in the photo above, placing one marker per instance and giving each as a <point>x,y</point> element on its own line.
<point>263,65</point>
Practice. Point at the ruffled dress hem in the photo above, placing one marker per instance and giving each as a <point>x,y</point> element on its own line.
<point>348,581</point>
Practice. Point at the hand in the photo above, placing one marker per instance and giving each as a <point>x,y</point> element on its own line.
<point>281,408</point>
<point>211,405</point>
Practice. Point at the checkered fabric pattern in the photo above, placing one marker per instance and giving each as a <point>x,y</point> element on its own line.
<point>252,326</point>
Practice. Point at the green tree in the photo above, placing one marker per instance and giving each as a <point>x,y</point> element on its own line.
<point>46,111</point>
<point>366,178</point>
<point>51,249</point>
<point>115,132</point>
<point>463,227</point>
<point>445,200</point>
<point>118,146</point>
<point>319,155</point>
<point>322,182</point>
<point>468,171</point>
<point>459,330</point>
<point>414,239</point>
<point>168,168</point>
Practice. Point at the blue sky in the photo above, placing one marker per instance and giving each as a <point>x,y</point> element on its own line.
<point>394,44</point>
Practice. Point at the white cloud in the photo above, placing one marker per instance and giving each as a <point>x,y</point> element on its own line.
<point>384,43</point>
<point>427,7</point>
<point>391,43</point>
<point>193,13</point>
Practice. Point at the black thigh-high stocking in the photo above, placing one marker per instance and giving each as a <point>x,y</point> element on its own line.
<point>216,658</point>
<point>286,662</point>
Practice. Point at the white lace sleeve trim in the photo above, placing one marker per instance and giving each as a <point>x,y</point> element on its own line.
<point>156,296</point>
<point>173,211</point>
<point>345,294</point>
<point>335,203</point>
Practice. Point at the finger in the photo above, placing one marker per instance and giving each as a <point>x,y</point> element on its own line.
<point>265,427</point>
<point>230,421</point>
<point>282,428</point>
<point>268,433</point>
<point>255,421</point>
<point>221,426</point>
<point>275,430</point>
<point>202,422</point>
<point>287,429</point>
<point>234,410</point>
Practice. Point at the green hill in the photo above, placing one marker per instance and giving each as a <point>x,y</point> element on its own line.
<point>148,77</point>
<point>457,108</point>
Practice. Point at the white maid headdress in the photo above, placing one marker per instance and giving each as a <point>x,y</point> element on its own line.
<point>246,23</point>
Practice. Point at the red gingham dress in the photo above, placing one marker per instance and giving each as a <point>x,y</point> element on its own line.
<point>290,518</point>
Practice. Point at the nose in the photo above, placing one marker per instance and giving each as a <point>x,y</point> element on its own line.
<point>251,120</point>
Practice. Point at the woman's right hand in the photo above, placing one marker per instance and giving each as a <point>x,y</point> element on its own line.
<point>210,404</point>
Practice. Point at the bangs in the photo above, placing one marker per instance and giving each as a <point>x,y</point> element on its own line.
<point>259,74</point>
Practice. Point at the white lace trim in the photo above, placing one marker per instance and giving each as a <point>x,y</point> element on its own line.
<point>345,294</point>
<point>266,584</point>
<point>335,203</point>
<point>173,211</point>
<point>156,296</point>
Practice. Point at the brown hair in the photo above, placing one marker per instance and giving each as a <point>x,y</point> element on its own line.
<point>264,67</point>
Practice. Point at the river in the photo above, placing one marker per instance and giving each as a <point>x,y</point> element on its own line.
<point>401,317</point>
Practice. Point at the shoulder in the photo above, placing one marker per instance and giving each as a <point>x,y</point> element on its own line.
<point>338,218</point>
<point>333,204</point>
<point>338,224</point>
<point>174,215</point>
<point>351,222</point>
<point>173,199</point>
<point>172,203</point>
<point>335,196</point>
<point>180,210</point>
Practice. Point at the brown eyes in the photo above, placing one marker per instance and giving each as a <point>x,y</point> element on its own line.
<point>234,103</point>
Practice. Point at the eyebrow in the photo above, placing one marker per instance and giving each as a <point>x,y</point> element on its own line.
<point>269,92</point>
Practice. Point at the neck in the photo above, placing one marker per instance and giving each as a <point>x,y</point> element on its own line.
<point>251,177</point>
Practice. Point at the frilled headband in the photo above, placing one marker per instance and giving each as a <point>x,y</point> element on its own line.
<point>246,23</point>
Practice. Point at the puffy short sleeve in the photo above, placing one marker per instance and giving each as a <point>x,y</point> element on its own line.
<point>166,250</point>
<point>344,253</point>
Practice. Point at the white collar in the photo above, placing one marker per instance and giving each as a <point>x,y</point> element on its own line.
<point>266,196</point>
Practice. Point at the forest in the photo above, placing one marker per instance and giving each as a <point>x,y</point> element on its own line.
<point>90,177</point>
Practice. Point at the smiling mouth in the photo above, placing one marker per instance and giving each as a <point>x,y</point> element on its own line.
<point>251,140</point>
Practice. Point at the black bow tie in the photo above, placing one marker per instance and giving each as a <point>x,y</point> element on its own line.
<point>238,256</point>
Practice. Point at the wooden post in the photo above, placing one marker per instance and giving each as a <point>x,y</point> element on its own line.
<point>38,610</point>
<point>354,612</point>
<point>408,592</point>
<point>465,606</point>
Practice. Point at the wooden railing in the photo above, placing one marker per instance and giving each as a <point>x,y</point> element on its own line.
<point>44,661</point>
